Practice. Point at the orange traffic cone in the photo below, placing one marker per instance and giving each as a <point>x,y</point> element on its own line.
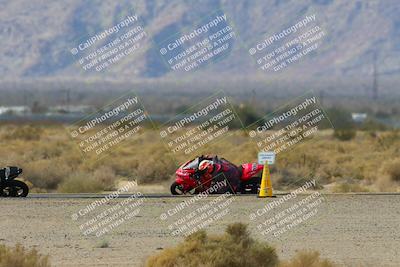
<point>266,184</point>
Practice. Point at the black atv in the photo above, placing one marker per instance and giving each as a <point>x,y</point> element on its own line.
<point>10,187</point>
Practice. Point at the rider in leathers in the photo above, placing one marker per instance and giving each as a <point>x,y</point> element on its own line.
<point>213,169</point>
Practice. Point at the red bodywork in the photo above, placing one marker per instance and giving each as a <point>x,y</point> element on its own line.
<point>184,174</point>
<point>250,170</point>
<point>185,178</point>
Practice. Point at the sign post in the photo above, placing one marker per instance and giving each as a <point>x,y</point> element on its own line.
<point>266,158</point>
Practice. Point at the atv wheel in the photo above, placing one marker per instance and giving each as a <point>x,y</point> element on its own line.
<point>14,188</point>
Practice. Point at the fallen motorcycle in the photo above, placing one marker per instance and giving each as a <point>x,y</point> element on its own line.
<point>187,177</point>
<point>10,187</point>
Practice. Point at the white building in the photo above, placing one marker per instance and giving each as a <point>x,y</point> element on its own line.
<point>359,117</point>
<point>18,110</point>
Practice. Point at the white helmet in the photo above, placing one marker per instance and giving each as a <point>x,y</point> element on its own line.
<point>206,165</point>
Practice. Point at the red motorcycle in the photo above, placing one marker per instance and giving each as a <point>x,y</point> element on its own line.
<point>188,176</point>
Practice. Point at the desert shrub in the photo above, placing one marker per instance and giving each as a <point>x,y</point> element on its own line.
<point>392,168</point>
<point>300,165</point>
<point>80,182</point>
<point>103,244</point>
<point>18,256</point>
<point>46,173</point>
<point>385,184</point>
<point>344,129</point>
<point>387,140</point>
<point>155,168</point>
<point>124,166</point>
<point>51,160</point>
<point>371,125</point>
<point>48,150</point>
<point>234,248</point>
<point>344,134</point>
<point>307,159</point>
<point>344,159</point>
<point>293,177</point>
<point>106,176</point>
<point>349,187</point>
<point>334,170</point>
<point>307,259</point>
<point>340,149</point>
<point>247,115</point>
<point>27,133</point>
<point>72,157</point>
<point>340,118</point>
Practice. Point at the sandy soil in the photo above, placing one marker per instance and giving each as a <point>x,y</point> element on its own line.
<point>353,230</point>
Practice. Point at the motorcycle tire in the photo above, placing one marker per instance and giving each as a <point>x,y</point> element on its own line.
<point>174,188</point>
<point>14,188</point>
<point>251,186</point>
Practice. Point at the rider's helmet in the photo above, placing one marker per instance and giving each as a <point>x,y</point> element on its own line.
<point>206,166</point>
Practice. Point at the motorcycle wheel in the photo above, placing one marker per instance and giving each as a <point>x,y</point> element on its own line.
<point>177,189</point>
<point>251,186</point>
<point>14,188</point>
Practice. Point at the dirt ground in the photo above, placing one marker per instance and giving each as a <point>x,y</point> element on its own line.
<point>352,230</point>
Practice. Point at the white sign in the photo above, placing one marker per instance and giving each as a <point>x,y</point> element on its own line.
<point>266,157</point>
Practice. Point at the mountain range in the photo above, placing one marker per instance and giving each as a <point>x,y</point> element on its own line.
<point>360,37</point>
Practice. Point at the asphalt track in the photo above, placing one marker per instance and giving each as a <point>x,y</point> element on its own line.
<point>91,195</point>
<point>351,229</point>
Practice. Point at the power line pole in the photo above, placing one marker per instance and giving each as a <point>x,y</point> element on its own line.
<point>375,78</point>
<point>68,99</point>
<point>253,98</point>
<point>321,97</point>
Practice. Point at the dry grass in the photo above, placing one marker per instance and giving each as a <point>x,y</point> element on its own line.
<point>103,244</point>
<point>234,248</point>
<point>348,187</point>
<point>392,168</point>
<point>52,161</point>
<point>307,259</point>
<point>47,173</point>
<point>80,182</point>
<point>18,256</point>
<point>344,135</point>
<point>27,133</point>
